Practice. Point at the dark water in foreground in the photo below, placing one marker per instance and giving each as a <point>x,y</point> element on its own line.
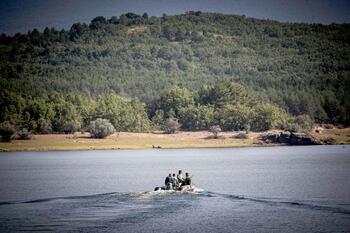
<point>280,189</point>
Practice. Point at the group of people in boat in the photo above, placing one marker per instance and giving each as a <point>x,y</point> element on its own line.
<point>177,181</point>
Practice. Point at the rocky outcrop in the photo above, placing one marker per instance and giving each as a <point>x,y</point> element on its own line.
<point>284,137</point>
<point>290,138</point>
<point>303,139</point>
<point>269,138</point>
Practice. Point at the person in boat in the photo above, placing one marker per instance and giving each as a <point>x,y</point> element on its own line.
<point>180,178</point>
<point>188,180</point>
<point>168,182</point>
<point>167,179</point>
<point>174,181</point>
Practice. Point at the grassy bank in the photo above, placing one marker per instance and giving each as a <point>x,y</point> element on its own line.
<point>124,140</point>
<point>340,136</point>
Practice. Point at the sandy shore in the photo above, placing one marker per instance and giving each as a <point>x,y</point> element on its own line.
<point>125,140</point>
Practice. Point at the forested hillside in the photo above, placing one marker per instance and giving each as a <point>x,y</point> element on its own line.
<point>205,59</point>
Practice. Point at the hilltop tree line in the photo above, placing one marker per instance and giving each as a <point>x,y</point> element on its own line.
<point>293,69</point>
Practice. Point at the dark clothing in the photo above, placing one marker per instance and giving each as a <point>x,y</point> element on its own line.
<point>187,181</point>
<point>167,180</point>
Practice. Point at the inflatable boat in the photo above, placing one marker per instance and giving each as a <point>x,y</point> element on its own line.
<point>185,188</point>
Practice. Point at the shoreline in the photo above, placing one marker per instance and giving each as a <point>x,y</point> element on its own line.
<point>156,140</point>
<point>124,140</point>
<point>147,148</point>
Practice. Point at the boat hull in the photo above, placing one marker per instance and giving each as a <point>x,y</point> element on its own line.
<point>185,188</point>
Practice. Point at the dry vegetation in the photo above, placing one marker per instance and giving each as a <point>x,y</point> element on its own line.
<point>136,29</point>
<point>124,140</point>
<point>338,136</point>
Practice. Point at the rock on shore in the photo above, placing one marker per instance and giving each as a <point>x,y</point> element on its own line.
<point>290,138</point>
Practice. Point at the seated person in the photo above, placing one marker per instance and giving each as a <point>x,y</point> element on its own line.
<point>180,178</point>
<point>188,179</point>
<point>174,181</point>
<point>167,179</point>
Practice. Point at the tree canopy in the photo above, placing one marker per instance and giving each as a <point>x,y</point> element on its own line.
<point>202,68</point>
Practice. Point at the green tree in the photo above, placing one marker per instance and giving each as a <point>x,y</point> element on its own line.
<point>77,30</point>
<point>197,36</point>
<point>98,22</point>
<point>174,99</point>
<point>168,32</point>
<point>71,127</point>
<point>44,126</point>
<point>7,131</point>
<point>180,35</point>
<point>265,116</point>
<point>145,16</point>
<point>158,119</point>
<point>225,93</point>
<point>124,114</point>
<point>65,111</point>
<point>11,107</point>
<point>196,117</point>
<point>304,123</point>
<point>234,117</point>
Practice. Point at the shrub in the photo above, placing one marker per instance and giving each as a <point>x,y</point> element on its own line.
<point>301,123</point>
<point>304,122</point>
<point>71,127</point>
<point>246,128</point>
<point>7,131</point>
<point>171,125</point>
<point>101,128</point>
<point>241,135</point>
<point>44,126</point>
<point>215,129</point>
<point>24,134</point>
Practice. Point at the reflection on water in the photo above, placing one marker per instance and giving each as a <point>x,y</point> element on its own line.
<point>281,189</point>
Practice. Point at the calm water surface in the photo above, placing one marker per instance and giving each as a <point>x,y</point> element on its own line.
<point>279,189</point>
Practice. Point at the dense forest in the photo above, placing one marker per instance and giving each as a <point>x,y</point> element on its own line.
<point>203,69</point>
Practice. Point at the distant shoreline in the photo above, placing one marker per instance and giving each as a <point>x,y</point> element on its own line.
<point>157,140</point>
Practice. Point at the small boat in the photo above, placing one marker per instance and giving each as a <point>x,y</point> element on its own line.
<point>184,188</point>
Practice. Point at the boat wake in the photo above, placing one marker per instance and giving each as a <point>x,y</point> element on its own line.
<point>120,197</point>
<point>118,211</point>
<point>292,203</point>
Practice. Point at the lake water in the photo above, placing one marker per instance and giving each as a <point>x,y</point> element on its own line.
<point>277,189</point>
